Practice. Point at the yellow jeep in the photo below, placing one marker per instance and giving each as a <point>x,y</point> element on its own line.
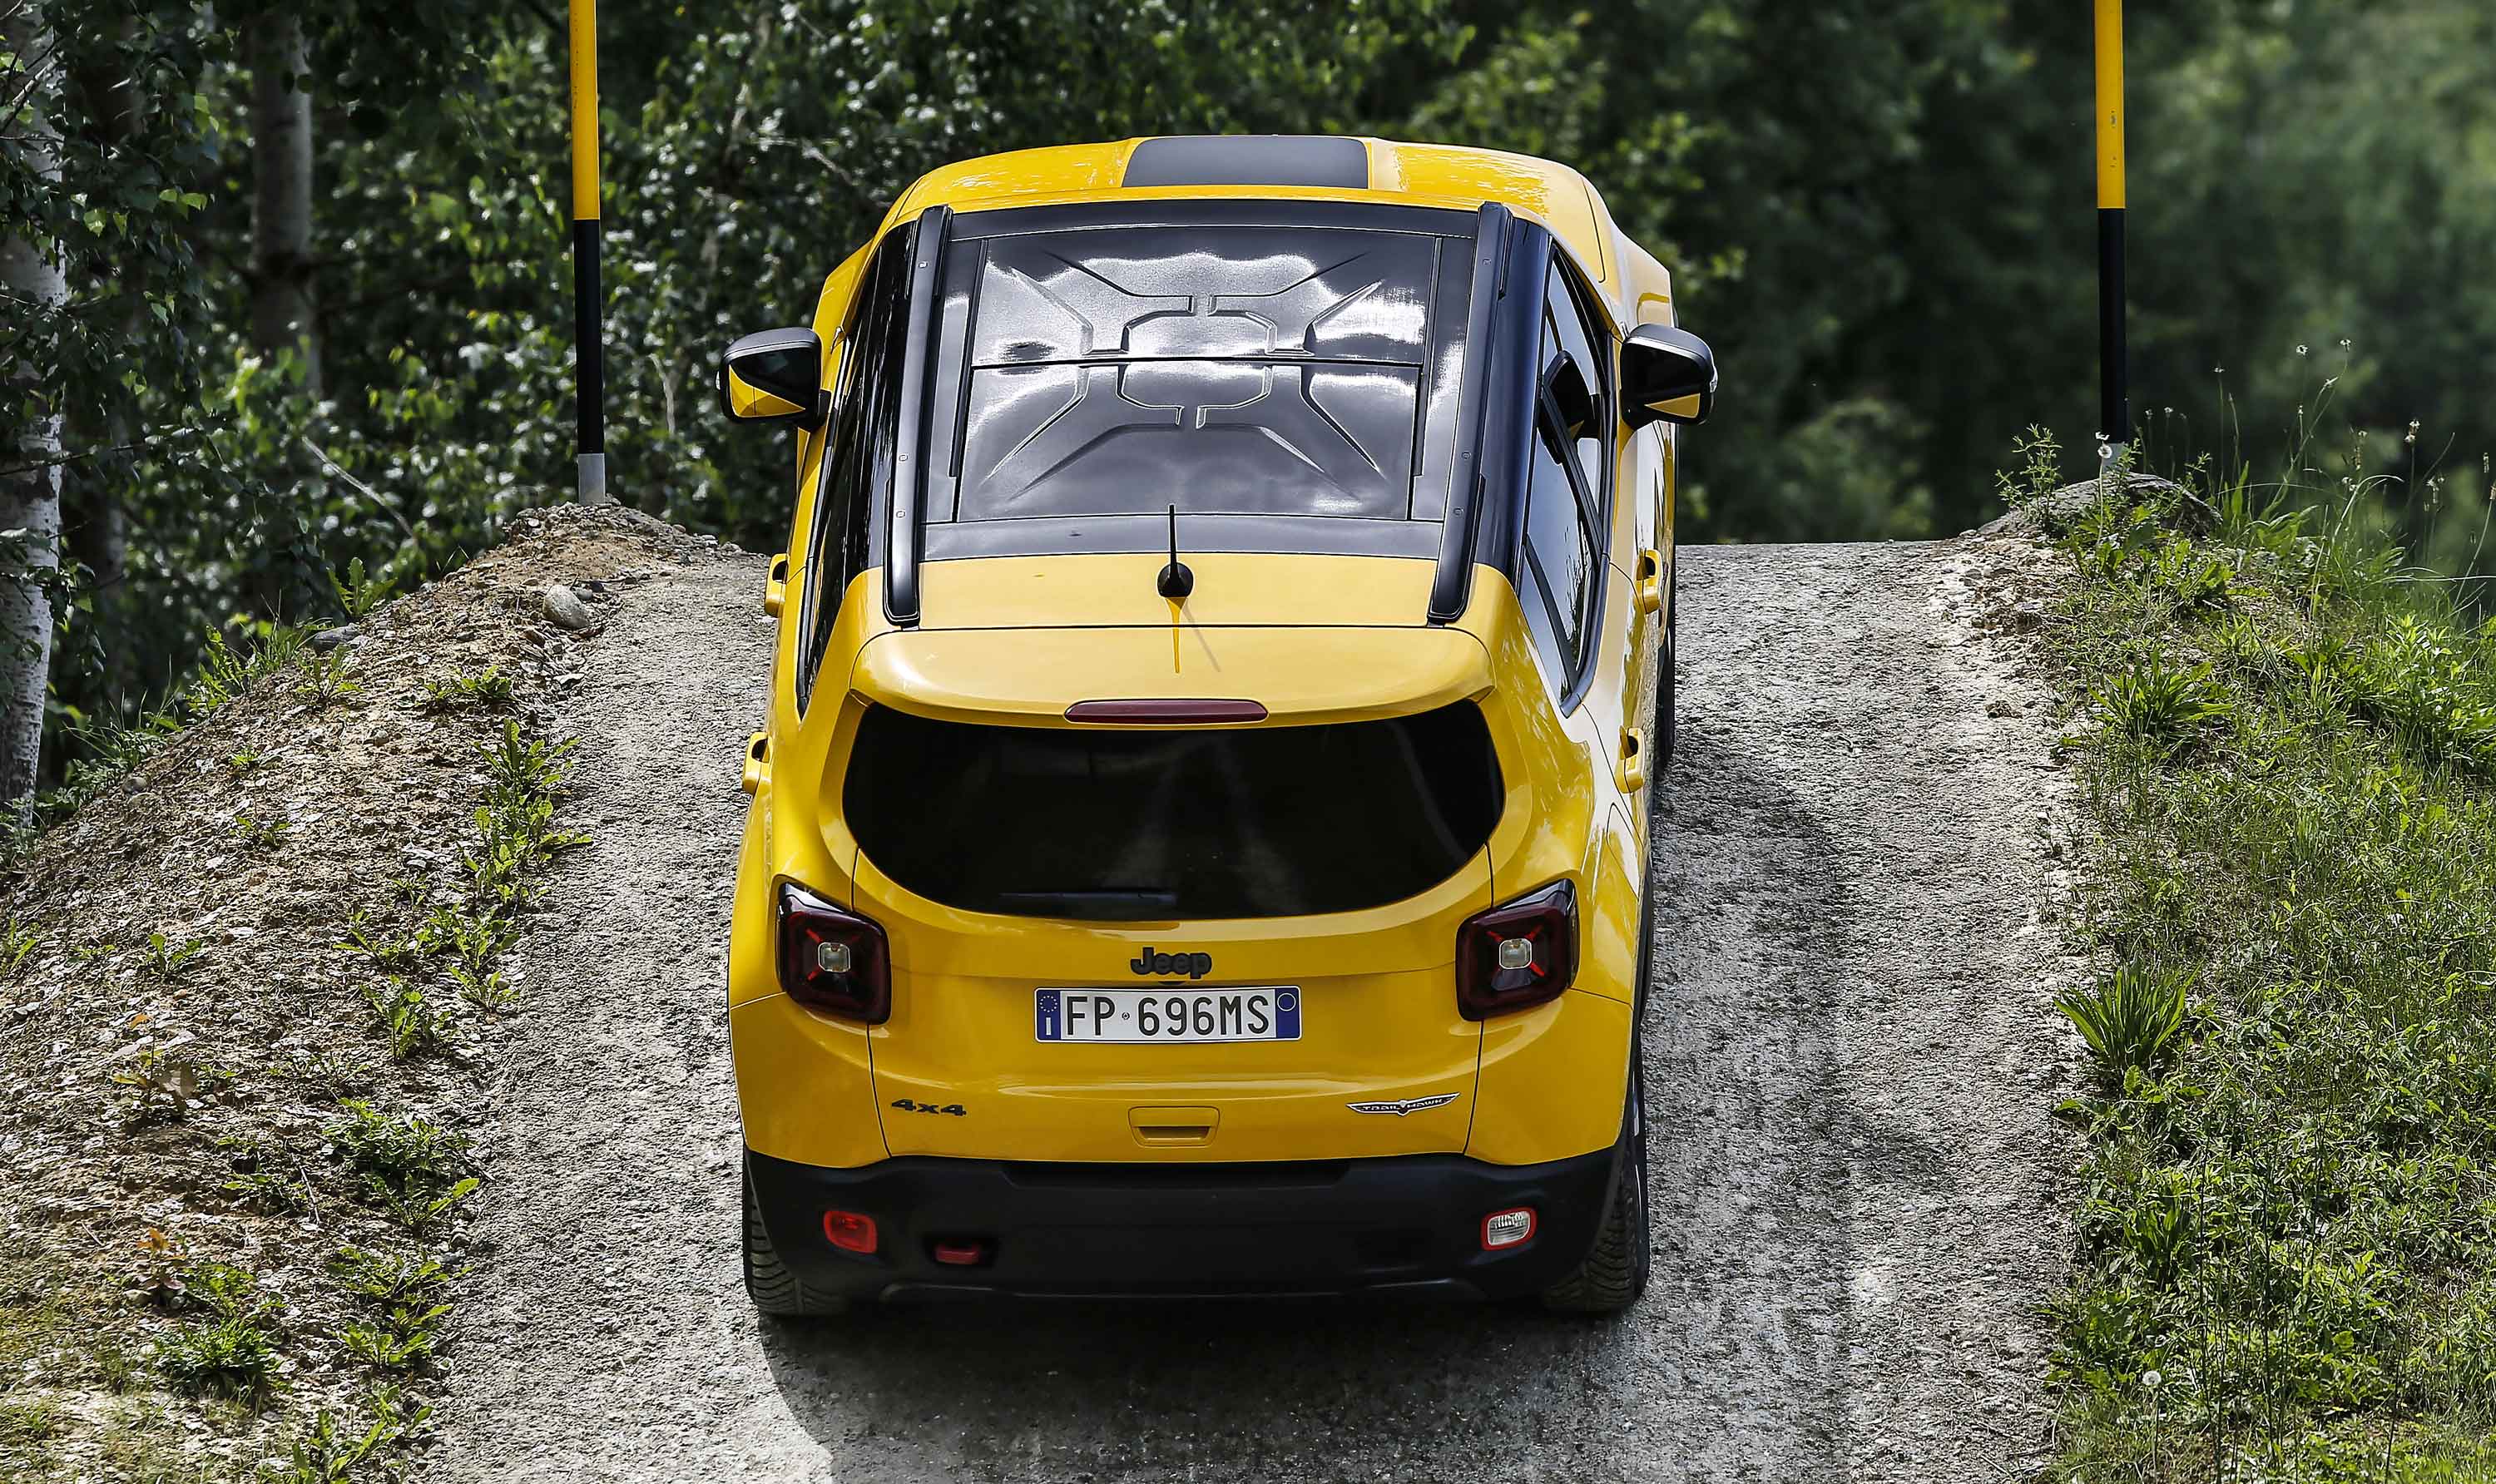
<point>1199,841</point>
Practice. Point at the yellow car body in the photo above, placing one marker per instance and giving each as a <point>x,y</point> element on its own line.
<point>936,1128</point>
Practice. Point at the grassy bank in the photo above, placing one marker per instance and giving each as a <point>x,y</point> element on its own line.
<point>2287,1226</point>
<point>251,998</point>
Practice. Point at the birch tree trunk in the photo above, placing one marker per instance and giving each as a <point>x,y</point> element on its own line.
<point>30,470</point>
<point>284,314</point>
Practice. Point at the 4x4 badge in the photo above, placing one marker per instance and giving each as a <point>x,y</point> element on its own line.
<point>1408,1105</point>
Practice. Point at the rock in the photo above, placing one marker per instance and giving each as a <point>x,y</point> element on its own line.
<point>2048,514</point>
<point>330,638</point>
<point>566,610</point>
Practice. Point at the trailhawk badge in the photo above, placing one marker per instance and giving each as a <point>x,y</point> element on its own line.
<point>1408,1105</point>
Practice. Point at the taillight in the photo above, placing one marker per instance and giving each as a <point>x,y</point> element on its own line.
<point>1518,955</point>
<point>831,960</point>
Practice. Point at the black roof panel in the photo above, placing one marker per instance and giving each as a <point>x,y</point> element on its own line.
<point>1250,160</point>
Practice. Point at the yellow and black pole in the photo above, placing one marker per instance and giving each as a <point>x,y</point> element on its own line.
<point>589,348</point>
<point>2115,411</point>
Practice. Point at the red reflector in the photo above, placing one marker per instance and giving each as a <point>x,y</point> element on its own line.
<point>959,1251</point>
<point>1165,713</point>
<point>849,1231</point>
<point>1506,1228</point>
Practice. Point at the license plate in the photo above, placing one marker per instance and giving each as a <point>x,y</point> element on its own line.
<point>1269,1012</point>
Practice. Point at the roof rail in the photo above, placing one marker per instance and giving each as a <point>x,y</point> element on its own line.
<point>1452,587</point>
<point>909,459</point>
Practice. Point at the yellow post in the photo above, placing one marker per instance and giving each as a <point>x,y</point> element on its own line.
<point>2115,409</point>
<point>589,348</point>
<point>2109,104</point>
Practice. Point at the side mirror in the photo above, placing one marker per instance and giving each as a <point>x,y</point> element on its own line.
<point>773,377</point>
<point>1668,374</point>
<point>1574,399</point>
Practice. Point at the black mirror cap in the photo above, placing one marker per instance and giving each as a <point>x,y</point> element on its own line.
<point>1668,374</point>
<point>776,376</point>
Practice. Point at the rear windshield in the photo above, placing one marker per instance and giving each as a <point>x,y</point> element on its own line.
<point>1149,825</point>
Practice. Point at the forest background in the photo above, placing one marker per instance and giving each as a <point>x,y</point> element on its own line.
<point>284,295</point>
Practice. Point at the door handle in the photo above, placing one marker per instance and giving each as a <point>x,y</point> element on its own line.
<point>1629,769</point>
<point>775,588</point>
<point>758,761</point>
<point>1650,581</point>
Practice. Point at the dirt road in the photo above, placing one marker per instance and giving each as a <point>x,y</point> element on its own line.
<point>1852,1063</point>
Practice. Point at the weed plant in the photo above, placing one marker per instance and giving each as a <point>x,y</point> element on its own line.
<point>413,1166</point>
<point>233,1353</point>
<point>328,679</point>
<point>331,1451</point>
<point>487,690</point>
<point>261,836</point>
<point>412,1024</point>
<point>170,958</point>
<point>234,1358</point>
<point>18,940</point>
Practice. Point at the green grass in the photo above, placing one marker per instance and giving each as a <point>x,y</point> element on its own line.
<point>2287,758</point>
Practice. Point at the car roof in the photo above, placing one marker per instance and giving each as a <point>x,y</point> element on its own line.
<point>1314,168</point>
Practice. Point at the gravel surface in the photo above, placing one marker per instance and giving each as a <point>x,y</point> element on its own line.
<point>1853,1058</point>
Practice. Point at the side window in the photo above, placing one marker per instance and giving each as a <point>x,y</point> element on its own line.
<point>858,465</point>
<point>1568,337</point>
<point>1562,556</point>
<point>1558,559</point>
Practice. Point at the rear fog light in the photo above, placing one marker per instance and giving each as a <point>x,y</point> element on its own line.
<point>849,1231</point>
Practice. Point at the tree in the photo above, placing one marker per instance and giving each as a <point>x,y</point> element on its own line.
<point>30,481</point>
<point>282,313</point>
<point>1778,155</point>
<point>108,89</point>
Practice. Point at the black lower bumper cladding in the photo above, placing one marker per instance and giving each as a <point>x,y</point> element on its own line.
<point>1401,1226</point>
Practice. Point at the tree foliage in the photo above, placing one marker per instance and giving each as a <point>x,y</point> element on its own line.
<point>1878,209</point>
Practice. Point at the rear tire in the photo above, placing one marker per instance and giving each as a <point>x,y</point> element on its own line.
<point>1615,1274</point>
<point>773,1286</point>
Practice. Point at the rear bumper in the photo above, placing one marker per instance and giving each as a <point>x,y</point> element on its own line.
<point>1402,1225</point>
